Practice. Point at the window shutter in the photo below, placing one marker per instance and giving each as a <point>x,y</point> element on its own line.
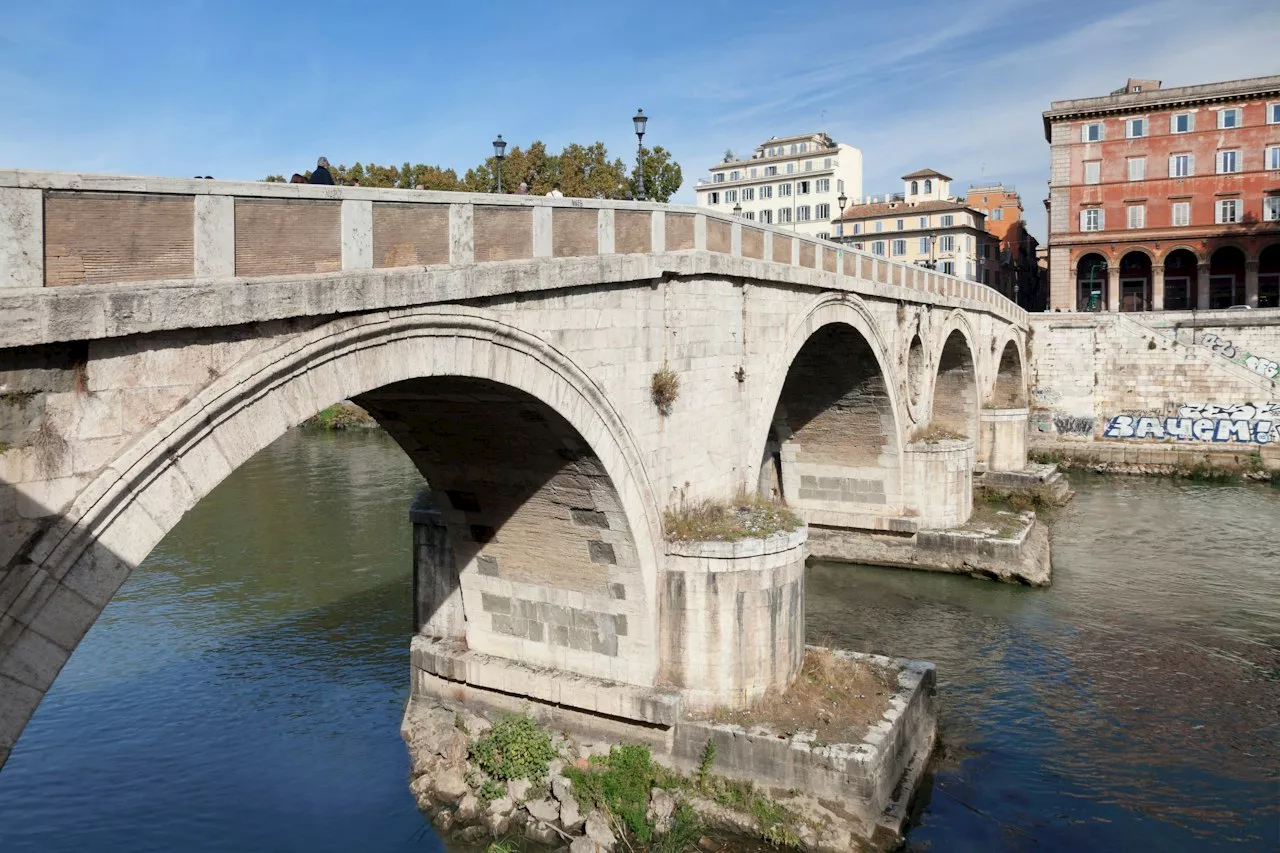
<point>1082,214</point>
<point>1102,219</point>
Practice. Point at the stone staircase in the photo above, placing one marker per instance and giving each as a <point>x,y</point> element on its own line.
<point>1268,389</point>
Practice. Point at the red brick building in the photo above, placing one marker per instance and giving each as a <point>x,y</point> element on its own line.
<point>1018,274</point>
<point>1163,199</point>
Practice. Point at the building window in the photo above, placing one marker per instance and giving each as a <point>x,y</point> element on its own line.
<point>924,246</point>
<point>1273,157</point>
<point>770,171</point>
<point>824,235</point>
<point>713,198</point>
<point>784,189</point>
<point>879,226</point>
<point>946,243</point>
<point>1135,128</point>
<point>1229,118</point>
<point>730,195</point>
<point>924,222</point>
<point>1092,219</point>
<point>752,171</point>
<point>1271,208</point>
<point>803,187</point>
<point>793,148</point>
<point>1228,211</point>
<point>1182,122</point>
<point>735,175</point>
<point>1137,215</point>
<point>902,225</point>
<point>1091,132</point>
<point>766,192</point>
<point>823,185</point>
<point>1228,162</point>
<point>784,215</point>
<point>858,246</point>
<point>857,228</point>
<point>899,248</point>
<point>877,247</point>
<point>804,146</point>
<point>928,185</point>
<point>1182,213</point>
<point>915,188</point>
<point>1093,171</point>
<point>986,276</point>
<point>808,165</point>
<point>948,220</point>
<point>998,213</point>
<point>718,178</point>
<point>791,167</point>
<point>750,214</point>
<point>1137,168</point>
<point>748,194</point>
<point>822,211</point>
<point>1180,166</point>
<point>802,213</point>
<point>1273,113</point>
<point>766,217</point>
<point>949,267</point>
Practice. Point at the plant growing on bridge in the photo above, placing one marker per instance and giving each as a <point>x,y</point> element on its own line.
<point>935,433</point>
<point>747,516</point>
<point>665,388</point>
<point>515,748</point>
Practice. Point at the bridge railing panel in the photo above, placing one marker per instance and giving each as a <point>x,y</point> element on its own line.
<point>96,229</point>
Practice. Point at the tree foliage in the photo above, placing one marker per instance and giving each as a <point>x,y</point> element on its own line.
<point>581,171</point>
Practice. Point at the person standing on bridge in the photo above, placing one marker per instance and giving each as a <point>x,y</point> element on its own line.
<point>555,192</point>
<point>322,175</point>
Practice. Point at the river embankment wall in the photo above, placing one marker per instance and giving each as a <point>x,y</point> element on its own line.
<point>1174,390</point>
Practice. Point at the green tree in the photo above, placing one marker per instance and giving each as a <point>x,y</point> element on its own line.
<point>662,175</point>
<point>274,179</point>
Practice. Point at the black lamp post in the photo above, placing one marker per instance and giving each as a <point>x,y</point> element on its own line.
<point>841,200</point>
<point>737,209</point>
<point>639,120</point>
<point>499,152</point>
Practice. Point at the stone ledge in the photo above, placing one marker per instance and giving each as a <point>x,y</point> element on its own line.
<point>446,660</point>
<point>753,547</point>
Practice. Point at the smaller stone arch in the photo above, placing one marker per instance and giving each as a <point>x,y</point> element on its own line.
<point>1180,267</point>
<point>1227,276</point>
<point>956,402</point>
<point>1161,257</point>
<point>1009,390</point>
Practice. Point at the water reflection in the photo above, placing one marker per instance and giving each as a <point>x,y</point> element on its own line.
<point>244,689</point>
<point>1134,703</point>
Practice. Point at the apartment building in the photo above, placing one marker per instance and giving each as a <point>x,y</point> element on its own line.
<point>1018,277</point>
<point>924,224</point>
<point>789,181</point>
<point>1163,199</point>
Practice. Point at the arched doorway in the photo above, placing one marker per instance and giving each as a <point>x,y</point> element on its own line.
<point>1180,280</point>
<point>1269,277</point>
<point>1226,278</point>
<point>1091,283</point>
<point>835,429</point>
<point>1135,282</point>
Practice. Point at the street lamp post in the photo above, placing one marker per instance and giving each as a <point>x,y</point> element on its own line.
<point>841,200</point>
<point>933,242</point>
<point>737,210</point>
<point>640,120</point>
<point>499,151</point>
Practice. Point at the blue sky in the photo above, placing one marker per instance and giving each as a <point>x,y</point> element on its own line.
<point>242,89</point>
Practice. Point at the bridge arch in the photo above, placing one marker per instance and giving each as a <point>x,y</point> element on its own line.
<point>391,361</point>
<point>830,440</point>
<point>956,401</point>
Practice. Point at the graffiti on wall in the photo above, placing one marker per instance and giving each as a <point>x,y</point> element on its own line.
<point>1240,423</point>
<point>1262,366</point>
<point>1072,425</point>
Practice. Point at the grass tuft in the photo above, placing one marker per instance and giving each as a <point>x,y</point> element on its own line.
<point>934,433</point>
<point>665,388</point>
<point>746,517</point>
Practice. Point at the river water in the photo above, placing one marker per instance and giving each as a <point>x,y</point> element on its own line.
<point>244,689</point>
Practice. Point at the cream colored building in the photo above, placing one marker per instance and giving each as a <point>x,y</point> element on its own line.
<point>924,224</point>
<point>790,181</point>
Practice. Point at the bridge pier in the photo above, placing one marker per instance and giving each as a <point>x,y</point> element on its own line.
<point>1004,439</point>
<point>939,479</point>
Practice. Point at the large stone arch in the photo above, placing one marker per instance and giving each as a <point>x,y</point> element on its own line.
<point>70,573</point>
<point>842,418</point>
<point>956,396</point>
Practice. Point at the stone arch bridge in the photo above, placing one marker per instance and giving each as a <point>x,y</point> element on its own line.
<point>156,333</point>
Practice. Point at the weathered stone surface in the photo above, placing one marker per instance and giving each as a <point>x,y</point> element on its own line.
<point>451,786</point>
<point>545,810</point>
<point>468,807</point>
<point>662,807</point>
<point>598,832</point>
<point>518,789</point>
